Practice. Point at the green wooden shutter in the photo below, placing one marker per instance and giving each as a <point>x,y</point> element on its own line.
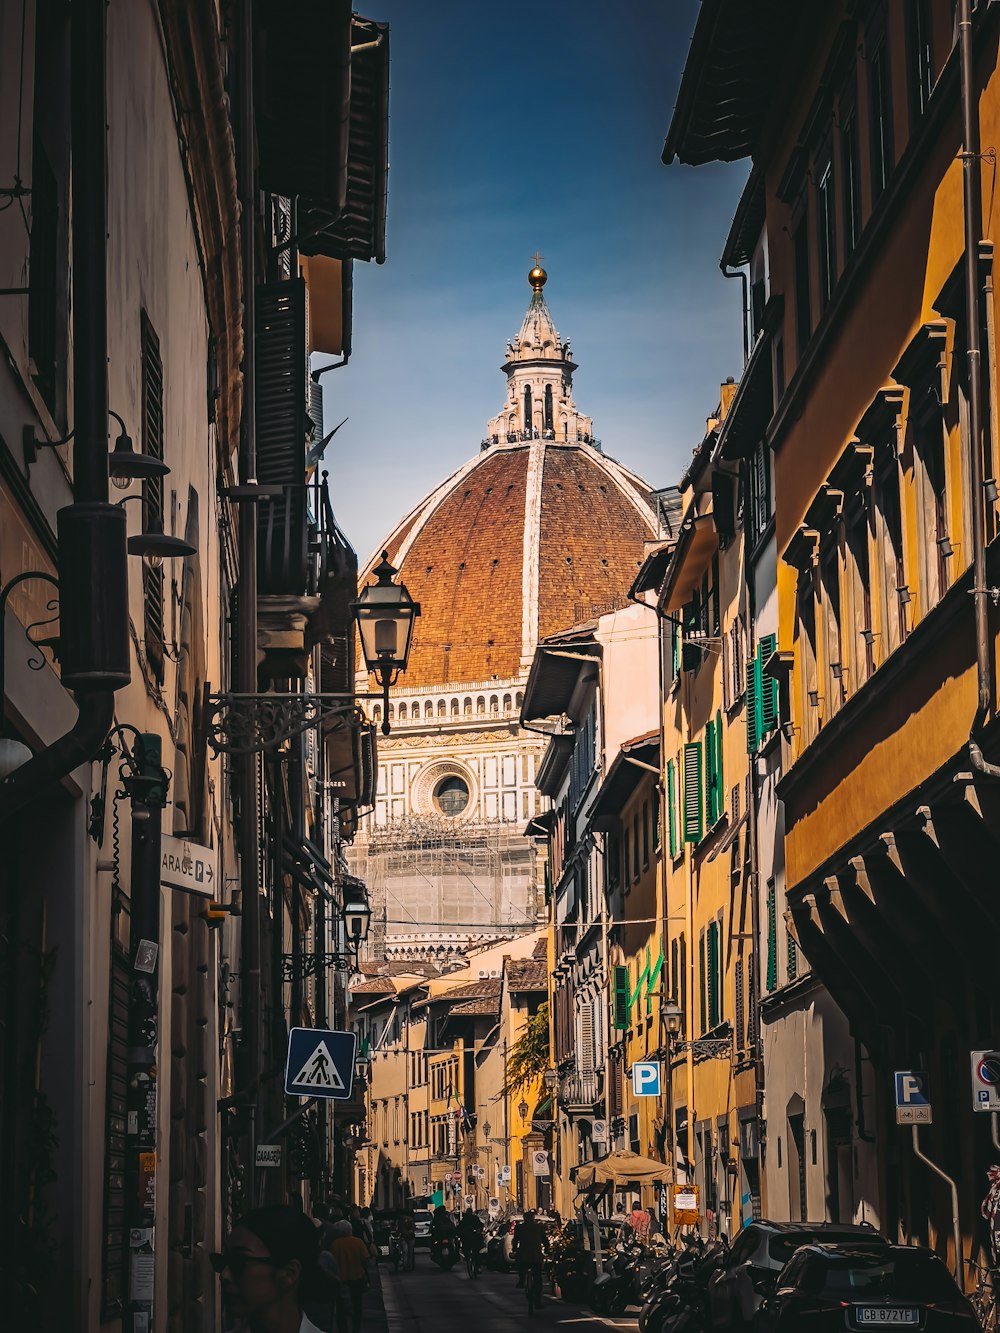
<point>620,998</point>
<point>652,981</point>
<point>710,815</point>
<point>719,779</point>
<point>753,706</point>
<point>767,686</point>
<point>712,965</point>
<point>693,807</point>
<point>792,954</point>
<point>671,807</point>
<point>772,938</point>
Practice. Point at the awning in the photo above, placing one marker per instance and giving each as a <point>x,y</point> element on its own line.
<point>541,825</point>
<point>330,283</point>
<point>302,89</point>
<point>696,545</point>
<point>554,676</point>
<point>622,1168</point>
<point>358,230</point>
<point>351,760</point>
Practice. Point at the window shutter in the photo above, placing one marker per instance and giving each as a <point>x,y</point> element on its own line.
<point>751,1003</point>
<point>767,686</point>
<point>620,998</point>
<point>792,955</point>
<point>772,938</point>
<point>280,402</point>
<point>753,706</point>
<point>652,981</point>
<point>710,815</point>
<point>671,807</point>
<point>712,964</point>
<point>740,1017</point>
<point>702,983</point>
<point>585,1062</point>
<point>152,494</point>
<point>693,809</point>
<point>720,787</point>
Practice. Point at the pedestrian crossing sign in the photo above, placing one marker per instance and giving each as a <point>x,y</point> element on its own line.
<point>320,1063</point>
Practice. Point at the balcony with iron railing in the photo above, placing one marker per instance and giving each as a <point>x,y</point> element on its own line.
<point>580,1090</point>
<point>522,436</point>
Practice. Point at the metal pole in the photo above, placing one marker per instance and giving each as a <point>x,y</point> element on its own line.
<point>143,1028</point>
<point>955,1222</point>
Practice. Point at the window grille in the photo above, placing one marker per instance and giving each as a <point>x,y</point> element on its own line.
<point>152,494</point>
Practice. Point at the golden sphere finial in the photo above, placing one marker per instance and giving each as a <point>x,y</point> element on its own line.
<point>537,277</point>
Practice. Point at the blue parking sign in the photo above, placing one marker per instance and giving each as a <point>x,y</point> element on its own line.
<point>646,1078</point>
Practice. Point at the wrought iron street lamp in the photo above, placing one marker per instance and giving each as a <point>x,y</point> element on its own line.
<point>551,1079</point>
<point>385,613</point>
<point>357,915</point>
<point>673,1020</point>
<point>522,1110</point>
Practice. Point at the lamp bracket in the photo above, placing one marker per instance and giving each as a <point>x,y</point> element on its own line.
<point>257,723</point>
<point>297,966</point>
<point>705,1048</point>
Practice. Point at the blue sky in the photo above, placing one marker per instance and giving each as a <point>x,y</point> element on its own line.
<point>516,127</point>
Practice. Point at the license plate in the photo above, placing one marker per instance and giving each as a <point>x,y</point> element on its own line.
<point>881,1314</point>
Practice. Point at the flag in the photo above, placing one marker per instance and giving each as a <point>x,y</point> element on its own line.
<point>461,1112</point>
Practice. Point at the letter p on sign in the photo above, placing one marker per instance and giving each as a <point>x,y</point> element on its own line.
<point>646,1079</point>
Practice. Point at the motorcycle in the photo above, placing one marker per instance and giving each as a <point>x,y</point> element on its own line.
<point>682,1306</point>
<point>444,1252</point>
<point>618,1286</point>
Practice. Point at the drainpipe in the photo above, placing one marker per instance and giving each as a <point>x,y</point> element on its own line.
<point>93,579</point>
<point>972,190</point>
<point>246,628</point>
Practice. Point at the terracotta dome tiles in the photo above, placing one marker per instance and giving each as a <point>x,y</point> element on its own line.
<point>464,567</point>
<point>463,557</point>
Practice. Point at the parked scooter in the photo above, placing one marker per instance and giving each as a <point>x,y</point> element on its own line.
<point>682,1306</point>
<point>619,1284</point>
<point>444,1251</point>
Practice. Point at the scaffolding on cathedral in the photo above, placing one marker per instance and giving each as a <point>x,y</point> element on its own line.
<point>438,885</point>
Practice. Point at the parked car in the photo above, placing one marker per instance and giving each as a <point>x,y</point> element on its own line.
<point>836,1286</point>
<point>422,1228</point>
<point>757,1256</point>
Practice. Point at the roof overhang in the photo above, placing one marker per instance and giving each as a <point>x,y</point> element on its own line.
<point>748,222</point>
<point>753,405</point>
<point>302,94</point>
<point>552,681</point>
<point>627,770</point>
<point>541,825</point>
<point>697,544</point>
<point>729,78</point>
<point>357,231</point>
<point>652,570</point>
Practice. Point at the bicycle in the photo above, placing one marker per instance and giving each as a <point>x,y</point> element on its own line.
<point>533,1286</point>
<point>472,1261</point>
<point>984,1298</point>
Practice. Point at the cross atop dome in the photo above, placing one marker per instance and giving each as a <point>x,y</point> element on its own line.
<point>539,369</point>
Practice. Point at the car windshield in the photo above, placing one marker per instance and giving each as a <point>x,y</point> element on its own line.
<point>910,1277</point>
<point>421,1215</point>
<point>782,1246</point>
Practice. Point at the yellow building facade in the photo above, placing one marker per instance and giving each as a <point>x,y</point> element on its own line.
<point>853,120</point>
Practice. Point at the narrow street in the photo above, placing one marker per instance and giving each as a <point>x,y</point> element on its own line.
<point>429,1301</point>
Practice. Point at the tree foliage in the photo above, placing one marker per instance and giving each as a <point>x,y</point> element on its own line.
<point>528,1058</point>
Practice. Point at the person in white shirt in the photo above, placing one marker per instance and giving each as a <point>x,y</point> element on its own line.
<point>268,1267</point>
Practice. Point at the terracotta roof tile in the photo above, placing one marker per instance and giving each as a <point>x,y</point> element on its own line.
<point>527,974</point>
<point>484,1008</point>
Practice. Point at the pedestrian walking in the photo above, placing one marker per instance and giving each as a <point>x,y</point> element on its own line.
<point>351,1255</point>
<point>268,1268</point>
<point>407,1228</point>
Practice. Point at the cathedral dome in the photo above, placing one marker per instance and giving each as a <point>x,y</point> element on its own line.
<point>539,531</point>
